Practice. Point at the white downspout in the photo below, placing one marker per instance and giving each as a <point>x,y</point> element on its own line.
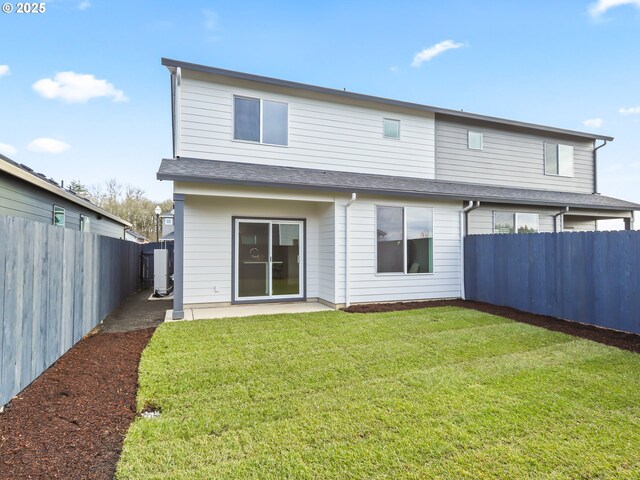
<point>178,113</point>
<point>463,230</point>
<point>346,249</point>
<point>560,215</point>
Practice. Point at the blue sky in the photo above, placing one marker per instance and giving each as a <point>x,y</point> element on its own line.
<point>549,62</point>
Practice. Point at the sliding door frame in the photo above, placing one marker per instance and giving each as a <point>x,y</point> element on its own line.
<point>235,258</point>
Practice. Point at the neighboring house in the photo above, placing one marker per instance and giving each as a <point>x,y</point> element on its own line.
<point>133,236</point>
<point>27,194</point>
<point>285,191</point>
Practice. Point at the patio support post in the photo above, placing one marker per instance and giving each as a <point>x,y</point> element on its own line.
<point>346,249</point>
<point>178,256</point>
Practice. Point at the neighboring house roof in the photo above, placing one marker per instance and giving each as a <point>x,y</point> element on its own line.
<point>169,237</point>
<point>377,100</point>
<point>235,173</point>
<point>39,180</point>
<point>136,235</point>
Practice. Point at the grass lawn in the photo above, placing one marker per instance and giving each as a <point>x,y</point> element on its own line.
<point>434,393</point>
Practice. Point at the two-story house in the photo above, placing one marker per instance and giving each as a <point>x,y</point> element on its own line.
<point>285,191</point>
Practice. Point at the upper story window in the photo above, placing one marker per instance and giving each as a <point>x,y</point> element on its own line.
<point>391,128</point>
<point>474,140</point>
<point>558,159</point>
<point>85,223</point>
<point>168,221</point>
<point>510,222</point>
<point>404,237</point>
<point>58,216</point>
<point>261,121</point>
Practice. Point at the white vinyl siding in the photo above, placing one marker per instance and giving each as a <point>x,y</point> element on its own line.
<point>508,158</point>
<point>322,134</point>
<point>207,242</point>
<point>368,286</point>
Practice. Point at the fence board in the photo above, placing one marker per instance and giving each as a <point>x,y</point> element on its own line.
<point>56,284</point>
<point>588,277</point>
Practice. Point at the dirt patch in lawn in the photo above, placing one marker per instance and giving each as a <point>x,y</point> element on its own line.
<point>71,421</point>
<point>626,341</point>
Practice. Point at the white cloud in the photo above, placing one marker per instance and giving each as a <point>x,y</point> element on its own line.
<point>77,87</point>
<point>4,70</point>
<point>84,4</point>
<point>47,145</point>
<point>210,19</point>
<point>630,110</point>
<point>593,122</point>
<point>7,149</point>
<point>431,52</point>
<point>601,6</point>
<point>394,69</point>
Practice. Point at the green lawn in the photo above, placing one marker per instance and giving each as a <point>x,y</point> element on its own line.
<point>435,393</point>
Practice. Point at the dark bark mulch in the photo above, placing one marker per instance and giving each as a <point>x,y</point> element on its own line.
<point>71,421</point>
<point>626,341</point>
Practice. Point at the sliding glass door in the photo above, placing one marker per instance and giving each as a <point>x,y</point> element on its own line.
<point>268,259</point>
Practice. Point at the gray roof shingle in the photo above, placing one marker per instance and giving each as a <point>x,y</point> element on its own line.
<point>222,172</point>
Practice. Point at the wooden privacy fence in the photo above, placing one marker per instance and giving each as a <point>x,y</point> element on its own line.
<point>588,277</point>
<point>56,284</point>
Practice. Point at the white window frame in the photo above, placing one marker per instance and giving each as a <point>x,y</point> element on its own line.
<point>404,240</point>
<point>515,220</point>
<point>64,216</point>
<point>168,221</point>
<point>389,119</point>
<point>85,223</point>
<point>261,102</point>
<point>481,134</point>
<point>517,224</point>
<point>558,146</point>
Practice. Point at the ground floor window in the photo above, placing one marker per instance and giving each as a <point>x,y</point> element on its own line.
<point>404,239</point>
<point>515,222</point>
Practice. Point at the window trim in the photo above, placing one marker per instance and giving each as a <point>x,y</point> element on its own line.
<point>83,219</point>
<point>469,147</point>
<point>404,241</point>
<point>261,101</point>
<point>544,159</point>
<point>517,226</point>
<point>64,216</point>
<point>515,221</point>
<point>384,119</point>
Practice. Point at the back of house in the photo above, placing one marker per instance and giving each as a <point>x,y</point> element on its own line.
<point>292,192</point>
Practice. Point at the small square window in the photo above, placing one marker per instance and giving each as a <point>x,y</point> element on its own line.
<point>391,128</point>
<point>168,221</point>
<point>474,140</point>
<point>58,216</point>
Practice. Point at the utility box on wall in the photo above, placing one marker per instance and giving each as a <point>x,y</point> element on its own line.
<point>161,271</point>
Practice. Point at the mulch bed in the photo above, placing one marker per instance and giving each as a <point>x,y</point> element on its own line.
<point>626,341</point>
<point>71,421</point>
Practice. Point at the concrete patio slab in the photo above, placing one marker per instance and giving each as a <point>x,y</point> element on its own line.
<point>249,310</point>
